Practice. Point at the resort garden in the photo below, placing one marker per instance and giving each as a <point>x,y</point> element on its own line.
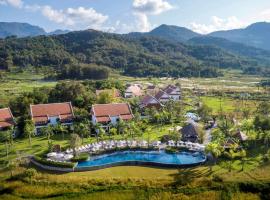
<point>232,132</point>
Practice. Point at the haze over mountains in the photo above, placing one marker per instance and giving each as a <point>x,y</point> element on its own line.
<point>24,30</point>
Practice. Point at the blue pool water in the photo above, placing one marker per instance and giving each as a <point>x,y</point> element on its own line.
<point>159,157</point>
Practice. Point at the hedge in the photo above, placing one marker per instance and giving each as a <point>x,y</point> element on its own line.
<point>54,164</point>
<point>81,157</point>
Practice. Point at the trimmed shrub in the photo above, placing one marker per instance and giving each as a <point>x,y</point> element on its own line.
<point>81,157</point>
<point>54,164</point>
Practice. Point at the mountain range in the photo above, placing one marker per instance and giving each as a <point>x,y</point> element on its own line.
<point>24,30</point>
<point>166,50</point>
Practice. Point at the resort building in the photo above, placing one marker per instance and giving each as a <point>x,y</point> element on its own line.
<point>134,90</point>
<point>44,115</point>
<point>7,120</point>
<point>150,101</point>
<point>113,92</point>
<point>190,133</point>
<point>110,114</point>
<point>169,93</point>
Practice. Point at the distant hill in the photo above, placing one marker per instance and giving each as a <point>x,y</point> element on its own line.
<point>173,33</point>
<point>257,35</point>
<point>24,30</point>
<point>19,29</point>
<point>168,32</point>
<point>142,56</point>
<point>234,47</point>
<point>58,32</point>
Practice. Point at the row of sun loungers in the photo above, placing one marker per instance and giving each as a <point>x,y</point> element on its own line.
<point>108,145</point>
<point>189,145</point>
<point>113,144</point>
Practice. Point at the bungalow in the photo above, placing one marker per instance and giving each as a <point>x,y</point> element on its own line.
<point>7,120</point>
<point>169,93</point>
<point>107,114</point>
<point>190,133</point>
<point>44,115</point>
<point>150,101</point>
<point>133,91</point>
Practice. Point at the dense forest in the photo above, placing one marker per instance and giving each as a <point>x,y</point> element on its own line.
<point>134,56</point>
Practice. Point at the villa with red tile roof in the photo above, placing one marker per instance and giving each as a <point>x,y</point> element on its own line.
<point>6,119</point>
<point>44,115</point>
<point>107,114</point>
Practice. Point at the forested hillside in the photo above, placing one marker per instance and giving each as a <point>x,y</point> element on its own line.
<point>134,56</point>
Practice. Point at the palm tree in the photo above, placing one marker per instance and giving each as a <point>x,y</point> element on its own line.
<point>29,130</point>
<point>5,137</point>
<point>231,155</point>
<point>215,150</point>
<point>98,128</point>
<point>75,141</point>
<point>266,138</point>
<point>82,128</point>
<point>243,155</point>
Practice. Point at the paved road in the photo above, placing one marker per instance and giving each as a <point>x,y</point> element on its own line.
<point>208,136</point>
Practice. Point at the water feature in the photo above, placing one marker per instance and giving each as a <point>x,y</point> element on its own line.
<point>144,157</point>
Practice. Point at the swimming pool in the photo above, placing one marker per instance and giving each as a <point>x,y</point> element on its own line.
<point>159,158</point>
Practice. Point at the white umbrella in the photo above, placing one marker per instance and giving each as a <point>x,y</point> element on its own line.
<point>53,154</point>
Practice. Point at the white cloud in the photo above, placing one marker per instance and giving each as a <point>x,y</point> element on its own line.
<point>153,7</point>
<point>142,22</point>
<point>14,3</point>
<point>264,15</point>
<point>218,24</point>
<point>72,17</point>
<point>143,8</point>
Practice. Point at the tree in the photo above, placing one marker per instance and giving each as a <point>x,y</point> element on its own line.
<point>215,150</point>
<point>7,137</point>
<point>29,130</point>
<point>113,131</point>
<point>75,141</point>
<point>204,112</point>
<point>231,155</point>
<point>48,131</point>
<point>105,98</point>
<point>82,129</point>
<point>243,156</point>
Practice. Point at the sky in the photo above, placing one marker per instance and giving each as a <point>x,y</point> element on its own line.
<point>123,16</point>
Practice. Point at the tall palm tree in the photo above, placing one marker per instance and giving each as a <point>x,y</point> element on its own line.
<point>29,130</point>
<point>215,150</point>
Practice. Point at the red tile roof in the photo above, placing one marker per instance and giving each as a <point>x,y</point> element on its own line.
<point>6,118</point>
<point>103,112</point>
<point>41,112</point>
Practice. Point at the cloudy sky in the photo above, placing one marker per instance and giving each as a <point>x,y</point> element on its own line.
<point>124,16</point>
